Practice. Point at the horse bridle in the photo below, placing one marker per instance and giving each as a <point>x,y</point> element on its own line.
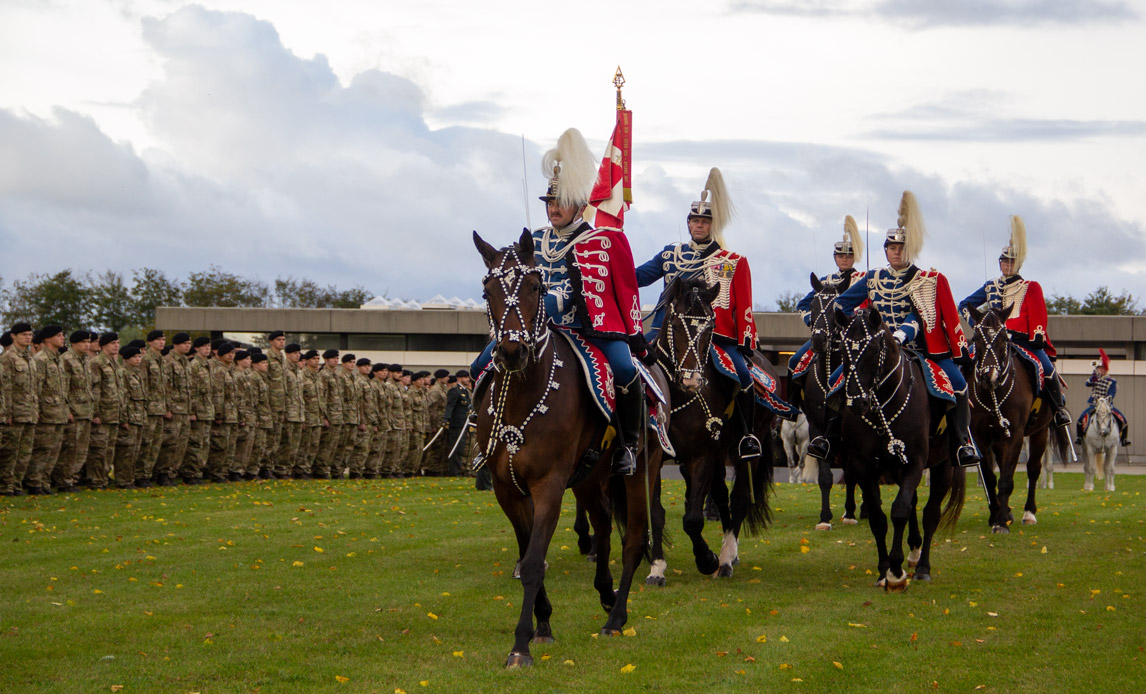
<point>990,360</point>
<point>854,350</point>
<point>511,273</point>
<point>833,342</point>
<point>694,346</point>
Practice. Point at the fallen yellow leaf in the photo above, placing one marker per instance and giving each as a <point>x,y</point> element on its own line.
<point>631,631</point>
<point>783,639</point>
<point>319,550</point>
<point>838,665</point>
<point>804,549</point>
<point>785,666</point>
<point>297,564</point>
<point>431,615</point>
<point>116,687</point>
<point>340,678</point>
<point>762,638</point>
<point>424,683</point>
<point>568,662</point>
<point>628,668</point>
<point>459,654</point>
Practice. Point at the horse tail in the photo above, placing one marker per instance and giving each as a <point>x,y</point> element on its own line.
<point>759,514</point>
<point>957,495</point>
<point>1060,439</point>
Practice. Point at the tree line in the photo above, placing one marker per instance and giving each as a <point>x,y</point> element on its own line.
<point>1100,302</point>
<point>126,302</point>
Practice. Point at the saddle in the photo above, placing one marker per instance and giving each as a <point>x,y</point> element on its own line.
<point>764,385</point>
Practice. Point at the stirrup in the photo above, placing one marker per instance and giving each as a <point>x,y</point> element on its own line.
<point>967,455</point>
<point>1061,419</point>
<point>1126,443</point>
<point>478,461</point>
<point>625,461</point>
<point>749,447</point>
<point>819,448</point>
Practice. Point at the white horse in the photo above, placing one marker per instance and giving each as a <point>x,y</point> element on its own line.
<point>795,438</point>
<point>1101,444</point>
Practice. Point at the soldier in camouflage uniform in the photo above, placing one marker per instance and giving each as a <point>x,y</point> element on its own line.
<point>276,375</point>
<point>291,440</point>
<point>331,442</point>
<point>368,418</point>
<point>77,432</point>
<point>410,465</point>
<point>157,410</point>
<point>177,428</point>
<point>133,383</point>
<point>201,412</point>
<point>379,374</point>
<point>225,402</point>
<point>17,376</point>
<point>313,407</point>
<point>434,459</point>
<point>264,422</point>
<point>352,426</point>
<point>107,411</point>
<point>248,392</point>
<point>397,443</point>
<point>52,394</point>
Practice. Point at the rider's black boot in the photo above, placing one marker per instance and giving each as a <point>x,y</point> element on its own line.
<point>746,408</point>
<point>821,446</point>
<point>1053,390</point>
<point>1124,434</point>
<point>629,407</point>
<point>1079,430</point>
<point>966,453</point>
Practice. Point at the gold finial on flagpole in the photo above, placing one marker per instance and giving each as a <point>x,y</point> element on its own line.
<point>618,82</point>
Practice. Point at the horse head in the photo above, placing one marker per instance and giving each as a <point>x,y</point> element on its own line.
<point>514,302</point>
<point>868,348</point>
<point>992,348</point>
<point>821,310</point>
<point>685,337</point>
<point>1103,415</point>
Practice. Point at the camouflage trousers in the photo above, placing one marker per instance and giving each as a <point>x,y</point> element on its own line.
<point>176,434</point>
<point>15,454</point>
<point>284,461</point>
<point>45,455</point>
<point>244,445</point>
<point>394,457</point>
<point>360,449</point>
<point>329,445</point>
<point>273,448</point>
<point>345,457</point>
<point>128,445</point>
<point>413,465</point>
<point>149,446</point>
<point>376,452</point>
<point>307,449</point>
<point>198,448</point>
<point>101,454</point>
<point>434,459</point>
<point>222,452</point>
<point>73,453</point>
<point>260,444</point>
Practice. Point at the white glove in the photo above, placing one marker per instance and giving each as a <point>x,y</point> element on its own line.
<point>899,336</point>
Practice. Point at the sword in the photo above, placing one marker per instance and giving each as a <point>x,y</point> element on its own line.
<point>454,448</point>
<point>431,443</point>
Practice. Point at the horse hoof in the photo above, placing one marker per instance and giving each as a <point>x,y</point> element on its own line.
<point>1088,487</point>
<point>924,577</point>
<point>543,639</point>
<point>824,526</point>
<point>725,571</point>
<point>658,581</point>
<point>516,660</point>
<point>895,584</point>
<point>1029,518</point>
<point>606,631</point>
<point>591,558</point>
<point>850,521</point>
<point>881,583</point>
<point>736,559</point>
<point>708,565</point>
<point>913,557</point>
<point>1000,530</point>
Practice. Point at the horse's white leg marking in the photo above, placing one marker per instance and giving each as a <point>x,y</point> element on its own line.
<point>657,570</point>
<point>729,549</point>
<point>913,556</point>
<point>1029,518</point>
<point>811,473</point>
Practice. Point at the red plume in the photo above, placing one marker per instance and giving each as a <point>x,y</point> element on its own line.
<point>1105,359</point>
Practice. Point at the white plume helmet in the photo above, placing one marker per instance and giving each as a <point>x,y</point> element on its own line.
<point>1016,249</point>
<point>852,244</point>
<point>714,204</point>
<point>571,169</point>
<point>910,229</point>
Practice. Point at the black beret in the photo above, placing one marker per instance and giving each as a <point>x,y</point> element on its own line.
<point>93,335</point>
<point>6,340</point>
<point>255,350</point>
<point>180,338</point>
<point>225,347</point>
<point>256,358</point>
<point>37,338</point>
<point>452,379</point>
<point>395,367</point>
<point>377,367</point>
<point>216,344</point>
<point>138,343</point>
<point>129,352</point>
<point>330,354</point>
<point>462,373</point>
<point>20,328</point>
<point>166,349</point>
<point>79,336</point>
<point>154,335</point>
<point>310,354</point>
<point>347,357</point>
<point>275,334</point>
<point>62,350</point>
<point>200,341</point>
<point>242,354</point>
<point>362,362</point>
<point>441,373</point>
<point>407,372</point>
<point>107,337</point>
<point>293,347</point>
<point>50,331</point>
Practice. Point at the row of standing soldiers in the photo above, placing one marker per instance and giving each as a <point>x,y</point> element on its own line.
<point>201,411</point>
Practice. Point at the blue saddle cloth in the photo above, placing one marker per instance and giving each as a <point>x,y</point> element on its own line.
<point>765,384</point>
<point>938,384</point>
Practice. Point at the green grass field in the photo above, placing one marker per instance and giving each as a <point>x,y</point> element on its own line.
<point>393,585</point>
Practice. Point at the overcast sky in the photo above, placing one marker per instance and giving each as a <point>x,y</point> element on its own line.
<point>359,142</point>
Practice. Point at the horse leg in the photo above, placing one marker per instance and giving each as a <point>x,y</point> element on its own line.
<point>940,485</point>
<point>522,515</point>
<point>850,499</point>
<point>633,543</point>
<point>697,483</point>
<point>914,539</point>
<point>1038,447</point>
<point>1108,459</point>
<point>656,575</point>
<point>730,519</point>
<point>1003,517</point>
<point>901,512</point>
<point>825,482</point>
<point>1088,467</point>
<point>990,482</point>
<point>602,521</point>
<point>581,527</point>
<point>877,522</point>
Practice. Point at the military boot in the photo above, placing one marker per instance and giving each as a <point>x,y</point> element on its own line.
<point>960,429</point>
<point>1053,390</point>
<point>629,409</point>
<point>822,446</point>
<point>745,409</point>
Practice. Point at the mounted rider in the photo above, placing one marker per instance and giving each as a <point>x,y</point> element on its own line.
<point>918,308</point>
<point>844,253</point>
<point>1101,384</point>
<point>1027,317</point>
<point>705,257</point>
<point>590,281</point>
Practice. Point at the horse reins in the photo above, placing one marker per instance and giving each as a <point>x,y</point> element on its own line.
<point>695,347</point>
<point>895,446</point>
<point>990,361</point>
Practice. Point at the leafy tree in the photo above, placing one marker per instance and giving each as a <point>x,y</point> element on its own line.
<point>1063,305</point>
<point>214,287</point>
<point>786,302</point>
<point>111,302</point>
<point>304,293</point>
<point>1100,302</point>
<point>60,299</point>
<point>151,288</point>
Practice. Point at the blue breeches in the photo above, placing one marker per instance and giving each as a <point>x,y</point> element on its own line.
<point>738,361</point>
<point>616,352</point>
<point>958,383</point>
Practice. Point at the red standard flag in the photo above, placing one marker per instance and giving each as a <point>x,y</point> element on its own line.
<point>613,191</point>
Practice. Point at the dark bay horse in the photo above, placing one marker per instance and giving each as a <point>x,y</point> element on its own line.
<point>539,429</point>
<point>701,434</point>
<point>890,429</point>
<point>826,356</point>
<point>1003,396</point>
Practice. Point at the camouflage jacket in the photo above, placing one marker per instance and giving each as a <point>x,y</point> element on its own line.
<point>277,381</point>
<point>136,402</point>
<point>202,403</point>
<point>266,419</point>
<point>224,393</point>
<point>19,379</point>
<point>311,398</point>
<point>177,382</point>
<point>152,366</point>
<point>107,389</point>
<point>79,384</point>
<point>294,398</point>
<point>51,387</point>
<point>331,394</point>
